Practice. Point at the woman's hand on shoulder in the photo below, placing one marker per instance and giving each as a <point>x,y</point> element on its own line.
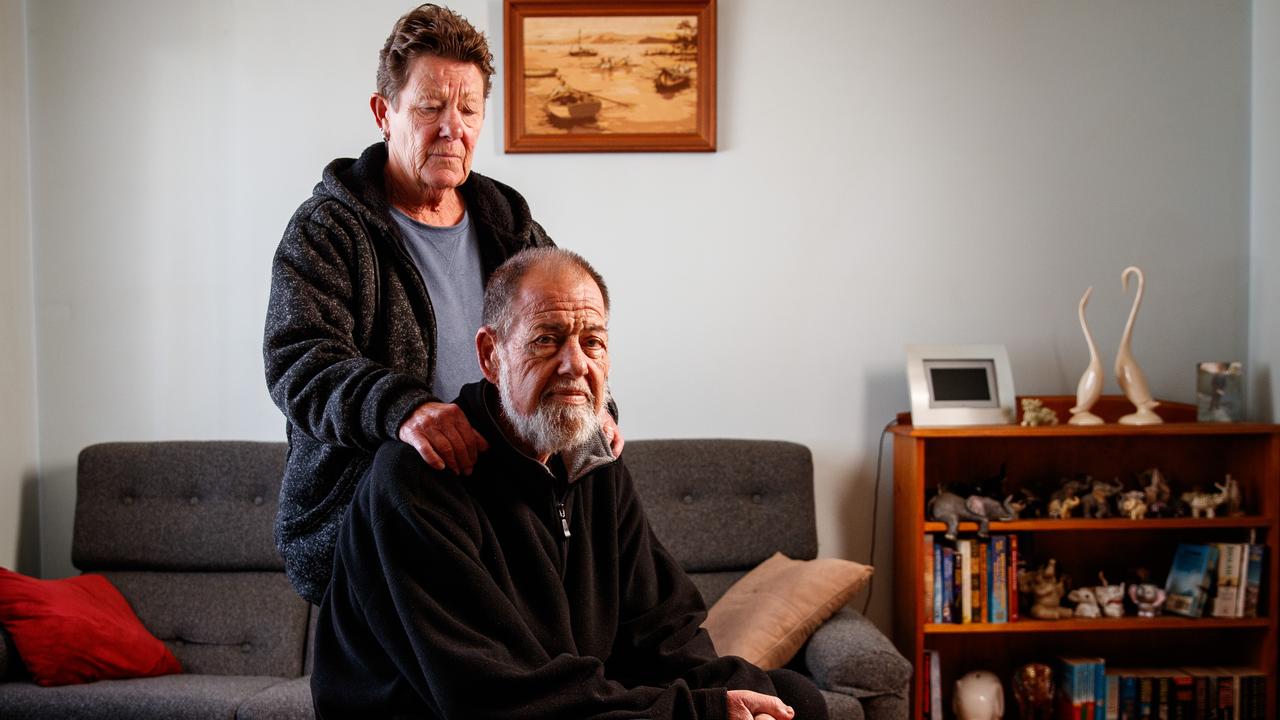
<point>443,436</point>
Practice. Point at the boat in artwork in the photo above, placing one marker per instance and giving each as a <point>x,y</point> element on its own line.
<point>579,50</point>
<point>671,79</point>
<point>569,105</point>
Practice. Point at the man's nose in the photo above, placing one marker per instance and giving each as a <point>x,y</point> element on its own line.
<point>573,362</point>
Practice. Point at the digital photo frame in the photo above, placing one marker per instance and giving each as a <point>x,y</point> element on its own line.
<point>954,385</point>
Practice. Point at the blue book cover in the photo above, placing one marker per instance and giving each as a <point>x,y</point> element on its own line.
<point>1100,689</point>
<point>948,584</point>
<point>1253,579</point>
<point>938,595</point>
<point>1187,588</point>
<point>998,569</point>
<point>1128,697</point>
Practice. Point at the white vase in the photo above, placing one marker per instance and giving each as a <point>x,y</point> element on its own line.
<point>1128,374</point>
<point>1090,387</point>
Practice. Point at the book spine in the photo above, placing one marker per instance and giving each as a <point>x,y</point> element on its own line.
<point>928,578</point>
<point>1224,601</point>
<point>1111,710</point>
<point>1099,690</point>
<point>1013,578</point>
<point>935,681</point>
<point>926,702</point>
<point>939,600</point>
<point>965,550</point>
<point>999,579</point>
<point>981,613</point>
<point>1128,697</point>
<point>1242,579</point>
<point>1253,580</point>
<point>948,584</point>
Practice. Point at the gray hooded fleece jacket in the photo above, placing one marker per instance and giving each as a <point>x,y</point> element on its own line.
<point>349,347</point>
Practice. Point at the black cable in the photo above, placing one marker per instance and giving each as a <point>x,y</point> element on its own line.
<point>875,511</point>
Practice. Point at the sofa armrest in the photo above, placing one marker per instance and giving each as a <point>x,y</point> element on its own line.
<point>8,656</point>
<point>849,654</point>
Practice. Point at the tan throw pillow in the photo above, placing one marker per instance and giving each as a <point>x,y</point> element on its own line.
<point>768,615</point>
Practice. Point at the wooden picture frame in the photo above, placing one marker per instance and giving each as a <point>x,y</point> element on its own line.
<point>610,75</point>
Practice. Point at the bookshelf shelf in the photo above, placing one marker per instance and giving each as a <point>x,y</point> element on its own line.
<point>1118,524</point>
<point>1190,454</point>
<point>1126,624</point>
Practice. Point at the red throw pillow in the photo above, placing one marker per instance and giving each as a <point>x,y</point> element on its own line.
<point>78,630</point>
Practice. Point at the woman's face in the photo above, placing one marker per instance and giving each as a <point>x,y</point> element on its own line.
<point>432,128</point>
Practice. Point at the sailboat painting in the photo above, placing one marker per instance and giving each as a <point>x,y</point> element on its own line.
<point>610,76</point>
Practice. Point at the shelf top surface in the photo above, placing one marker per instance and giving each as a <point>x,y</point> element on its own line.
<point>1107,430</point>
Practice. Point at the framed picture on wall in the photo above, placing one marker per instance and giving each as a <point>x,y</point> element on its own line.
<point>610,75</point>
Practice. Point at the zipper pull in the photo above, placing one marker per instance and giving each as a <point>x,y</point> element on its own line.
<point>564,518</point>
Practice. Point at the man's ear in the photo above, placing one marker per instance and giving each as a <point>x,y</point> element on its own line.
<point>487,353</point>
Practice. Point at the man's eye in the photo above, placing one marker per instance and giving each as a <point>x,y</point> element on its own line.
<point>544,340</point>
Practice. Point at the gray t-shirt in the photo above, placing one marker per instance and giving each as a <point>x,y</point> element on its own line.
<point>448,259</point>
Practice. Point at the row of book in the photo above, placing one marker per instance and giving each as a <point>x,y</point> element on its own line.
<point>976,581</point>
<point>1218,579</point>
<point>1088,690</point>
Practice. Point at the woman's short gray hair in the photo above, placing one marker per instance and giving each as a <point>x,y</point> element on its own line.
<point>500,292</point>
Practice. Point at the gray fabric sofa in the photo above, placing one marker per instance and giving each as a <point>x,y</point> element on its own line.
<point>184,530</point>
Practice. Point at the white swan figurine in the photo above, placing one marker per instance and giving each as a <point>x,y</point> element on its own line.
<point>1090,387</point>
<point>1130,377</point>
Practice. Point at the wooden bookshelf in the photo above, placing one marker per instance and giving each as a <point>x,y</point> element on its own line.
<point>1189,453</point>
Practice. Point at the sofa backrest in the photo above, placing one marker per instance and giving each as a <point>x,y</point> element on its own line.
<point>185,531</point>
<point>721,507</point>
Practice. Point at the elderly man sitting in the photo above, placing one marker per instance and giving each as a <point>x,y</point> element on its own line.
<point>534,588</point>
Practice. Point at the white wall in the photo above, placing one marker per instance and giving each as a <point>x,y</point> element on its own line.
<point>19,514</point>
<point>888,173</point>
<point>1264,306</point>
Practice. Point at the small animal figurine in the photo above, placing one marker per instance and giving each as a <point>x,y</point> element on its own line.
<point>1097,504</point>
<point>950,508</point>
<point>1110,598</point>
<point>1034,413</point>
<point>1156,489</point>
<point>1089,388</point>
<point>1231,487</point>
<point>1030,505</point>
<point>1060,509</point>
<point>1046,590</point>
<point>978,696</point>
<point>1133,505</point>
<point>1086,602</point>
<point>1128,374</point>
<point>1033,689</point>
<point>1206,503</point>
<point>1149,598</point>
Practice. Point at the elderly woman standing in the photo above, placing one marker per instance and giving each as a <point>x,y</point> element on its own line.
<point>377,287</point>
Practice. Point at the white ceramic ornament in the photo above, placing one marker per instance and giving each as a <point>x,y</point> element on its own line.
<point>1130,377</point>
<point>1090,387</point>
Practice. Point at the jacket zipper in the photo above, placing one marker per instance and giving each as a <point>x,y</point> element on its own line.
<point>564,528</point>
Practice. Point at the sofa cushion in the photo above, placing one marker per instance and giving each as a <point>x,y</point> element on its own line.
<point>178,506</point>
<point>246,623</point>
<point>848,654</point>
<point>769,614</point>
<point>171,697</point>
<point>78,630</point>
<point>726,504</point>
<point>287,701</point>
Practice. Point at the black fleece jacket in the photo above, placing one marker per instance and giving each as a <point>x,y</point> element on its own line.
<point>469,598</point>
<point>349,347</point>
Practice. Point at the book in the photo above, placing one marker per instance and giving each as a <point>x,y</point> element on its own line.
<point>1111,710</point>
<point>1231,560</point>
<point>935,682</point>
<point>948,584</point>
<point>1204,686</point>
<point>1099,690</point>
<point>1075,691</point>
<point>1187,587</point>
<point>1253,579</point>
<point>981,612</point>
<point>938,594</point>
<point>999,591</point>
<point>926,703</point>
<point>929,589</point>
<point>1013,578</point>
<point>964,569</point>
<point>1182,704</point>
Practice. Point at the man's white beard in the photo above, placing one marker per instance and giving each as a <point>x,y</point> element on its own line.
<point>553,427</point>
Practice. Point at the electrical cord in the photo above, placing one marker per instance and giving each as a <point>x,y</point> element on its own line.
<point>875,511</point>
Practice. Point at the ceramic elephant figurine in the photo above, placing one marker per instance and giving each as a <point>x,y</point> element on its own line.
<point>950,508</point>
<point>978,696</point>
